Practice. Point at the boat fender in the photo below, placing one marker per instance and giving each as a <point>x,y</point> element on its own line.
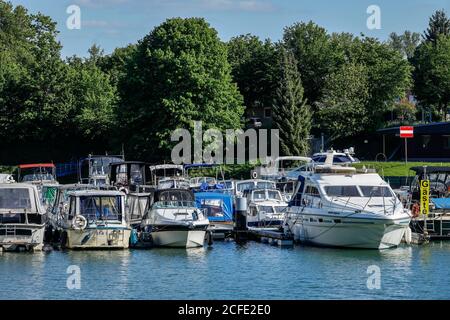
<point>134,238</point>
<point>415,210</point>
<point>408,235</point>
<point>79,223</point>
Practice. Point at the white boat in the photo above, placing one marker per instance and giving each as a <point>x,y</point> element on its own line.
<point>6,178</point>
<point>173,220</point>
<point>266,208</point>
<point>90,219</point>
<point>22,217</point>
<point>338,207</point>
<point>245,185</point>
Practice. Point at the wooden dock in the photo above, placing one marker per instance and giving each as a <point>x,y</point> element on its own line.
<point>272,236</point>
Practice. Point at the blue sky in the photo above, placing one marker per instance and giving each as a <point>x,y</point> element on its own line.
<point>116,23</point>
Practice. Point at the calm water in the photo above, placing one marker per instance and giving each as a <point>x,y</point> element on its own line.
<point>230,271</point>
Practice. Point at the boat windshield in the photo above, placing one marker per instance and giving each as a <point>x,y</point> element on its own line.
<point>101,207</point>
<point>266,209</point>
<point>37,177</point>
<point>244,186</point>
<point>271,194</point>
<point>15,199</point>
<point>376,191</point>
<point>342,191</point>
<point>359,191</point>
<point>280,209</point>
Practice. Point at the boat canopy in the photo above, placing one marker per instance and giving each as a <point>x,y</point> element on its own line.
<point>173,195</point>
<point>441,203</point>
<point>218,206</point>
<point>37,165</point>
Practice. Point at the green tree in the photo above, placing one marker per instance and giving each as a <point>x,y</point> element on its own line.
<point>314,53</point>
<point>95,101</point>
<point>343,107</point>
<point>180,74</point>
<point>389,76</point>
<point>291,114</point>
<point>432,74</point>
<point>405,43</point>
<point>254,69</point>
<point>439,24</point>
<point>34,93</point>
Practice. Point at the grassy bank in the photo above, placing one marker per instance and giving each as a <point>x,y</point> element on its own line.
<point>397,169</point>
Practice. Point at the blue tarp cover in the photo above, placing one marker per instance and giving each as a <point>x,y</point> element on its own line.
<point>441,203</point>
<point>219,206</point>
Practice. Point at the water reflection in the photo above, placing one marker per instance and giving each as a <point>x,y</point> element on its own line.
<point>229,271</point>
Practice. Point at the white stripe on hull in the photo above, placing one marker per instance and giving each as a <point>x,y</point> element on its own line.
<point>183,238</point>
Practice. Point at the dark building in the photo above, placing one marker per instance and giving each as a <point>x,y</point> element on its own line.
<point>431,142</point>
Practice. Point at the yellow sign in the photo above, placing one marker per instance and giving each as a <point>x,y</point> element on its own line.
<point>424,196</point>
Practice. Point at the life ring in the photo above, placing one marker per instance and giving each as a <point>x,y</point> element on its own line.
<point>415,210</point>
<point>79,223</point>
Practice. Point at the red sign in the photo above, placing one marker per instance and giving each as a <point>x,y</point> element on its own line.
<point>406,132</point>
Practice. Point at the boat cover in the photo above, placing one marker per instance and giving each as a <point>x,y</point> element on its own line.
<point>441,203</point>
<point>219,206</point>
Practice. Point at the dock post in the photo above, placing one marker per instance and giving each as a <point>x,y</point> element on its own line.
<point>240,224</point>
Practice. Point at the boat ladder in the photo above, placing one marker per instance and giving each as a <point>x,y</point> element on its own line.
<point>10,231</point>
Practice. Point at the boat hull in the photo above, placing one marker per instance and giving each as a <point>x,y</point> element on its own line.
<point>102,238</point>
<point>25,236</point>
<point>179,238</point>
<point>352,233</point>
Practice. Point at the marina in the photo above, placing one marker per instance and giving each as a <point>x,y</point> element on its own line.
<point>134,204</point>
<point>207,150</point>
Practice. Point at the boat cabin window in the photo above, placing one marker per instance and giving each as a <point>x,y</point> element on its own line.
<point>212,207</point>
<point>376,191</point>
<point>138,206</point>
<point>245,186</point>
<point>342,191</point>
<point>101,207</point>
<point>136,174</point>
<point>72,210</point>
<point>34,218</point>
<point>312,191</point>
<point>266,209</point>
<point>15,199</point>
<point>280,209</point>
<point>265,185</point>
<point>13,218</point>
<point>176,198</point>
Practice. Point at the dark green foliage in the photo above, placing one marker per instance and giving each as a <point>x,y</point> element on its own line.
<point>432,74</point>
<point>439,24</point>
<point>180,74</point>
<point>291,114</point>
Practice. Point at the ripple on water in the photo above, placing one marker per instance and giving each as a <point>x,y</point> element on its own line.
<point>229,271</point>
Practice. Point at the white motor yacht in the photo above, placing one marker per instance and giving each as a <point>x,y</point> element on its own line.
<point>266,208</point>
<point>91,219</point>
<point>173,220</point>
<point>339,207</point>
